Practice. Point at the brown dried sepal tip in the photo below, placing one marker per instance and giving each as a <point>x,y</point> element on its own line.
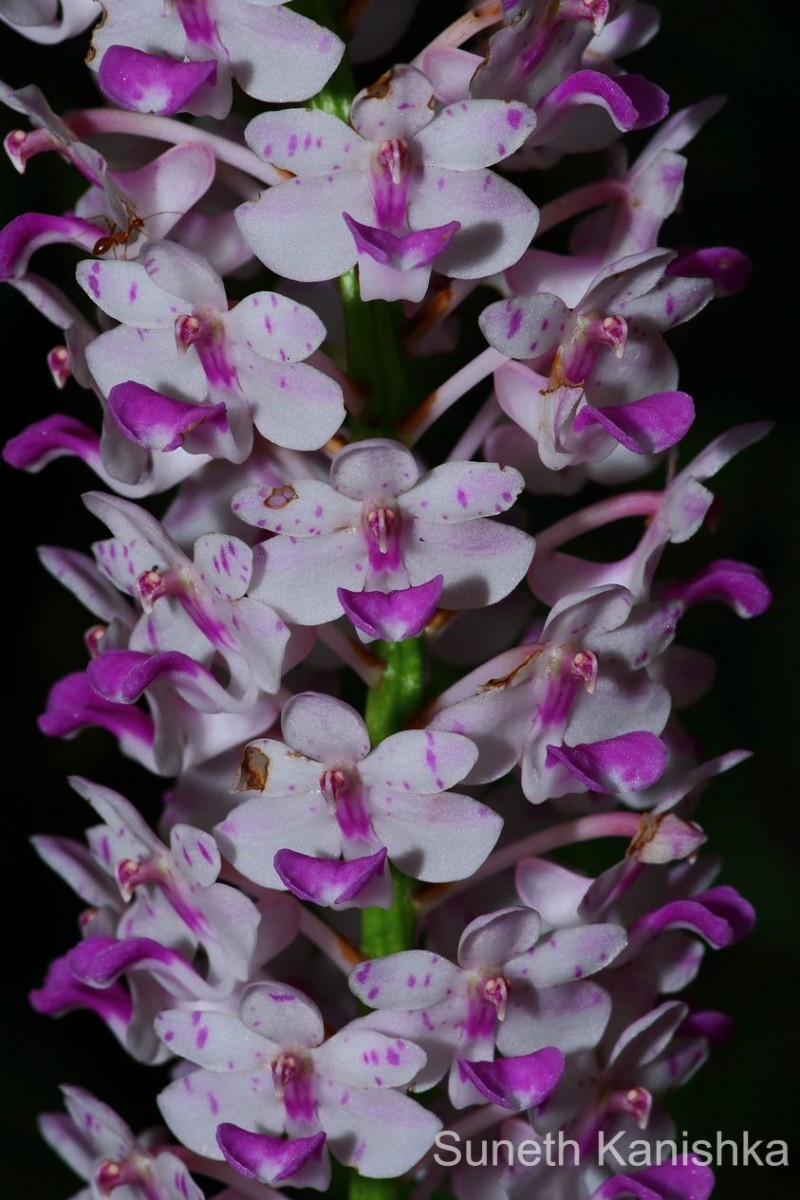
<point>382,87</point>
<point>253,771</point>
<point>279,497</point>
<point>91,53</point>
<point>679,839</point>
<point>647,831</point>
<point>505,681</point>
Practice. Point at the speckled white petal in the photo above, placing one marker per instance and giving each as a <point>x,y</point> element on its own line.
<point>368,1059</point>
<point>307,142</point>
<point>462,491</point>
<point>470,134</point>
<point>216,1041</point>
<point>125,291</point>
<point>374,470</point>
<point>419,761</point>
<point>381,1133</point>
<point>297,228</point>
<point>275,327</point>
<point>497,219</point>
<point>196,1104</point>
<point>409,980</point>
<point>255,831</point>
<point>282,1014</point>
<point>435,838</point>
<point>325,729</point>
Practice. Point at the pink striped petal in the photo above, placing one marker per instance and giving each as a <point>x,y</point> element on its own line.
<point>645,426</point>
<point>628,763</point>
<point>159,422</point>
<point>270,1160</point>
<point>149,83</point>
<point>54,437</point>
<point>519,1082</point>
<point>392,616</point>
<point>358,883</point>
<point>738,585</point>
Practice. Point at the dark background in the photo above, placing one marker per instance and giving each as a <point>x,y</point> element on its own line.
<point>738,361</point>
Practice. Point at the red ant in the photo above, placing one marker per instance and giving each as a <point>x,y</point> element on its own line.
<point>117,237</point>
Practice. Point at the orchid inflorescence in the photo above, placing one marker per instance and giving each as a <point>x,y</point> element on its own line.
<point>386,710</point>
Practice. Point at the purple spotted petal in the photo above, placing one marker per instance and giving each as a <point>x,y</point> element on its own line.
<point>270,1160</point>
<point>408,980</point>
<point>471,134</point>
<point>645,426</point>
<point>397,105</point>
<point>568,954</point>
<point>126,291</point>
<point>524,326</point>
<point>216,1041</point>
<point>282,1014</point>
<point>738,585</point>
<point>516,1083</point>
<point>275,327</point>
<point>369,1059</point>
<point>159,422</point>
<point>419,762</point>
<point>628,763</point>
<point>307,143</point>
<point>374,470</point>
<point>107,1133</point>
<point>149,83</point>
<point>462,491</point>
<point>493,939</point>
<point>324,729</point>
<point>333,884</point>
<point>392,616</point>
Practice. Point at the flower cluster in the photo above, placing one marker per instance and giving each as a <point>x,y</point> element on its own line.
<point>384,694</point>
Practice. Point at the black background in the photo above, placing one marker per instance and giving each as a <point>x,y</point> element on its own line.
<point>739,362</point>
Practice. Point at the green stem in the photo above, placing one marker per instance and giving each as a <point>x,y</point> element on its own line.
<point>376,366</point>
<point>362,1188</point>
<point>389,705</point>
<point>373,329</point>
<point>375,362</point>
<point>399,694</point>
